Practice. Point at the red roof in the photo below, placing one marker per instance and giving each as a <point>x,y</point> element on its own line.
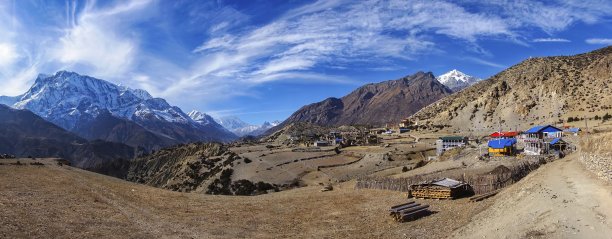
<point>504,134</point>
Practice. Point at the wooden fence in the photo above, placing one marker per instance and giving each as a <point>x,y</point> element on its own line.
<point>480,183</point>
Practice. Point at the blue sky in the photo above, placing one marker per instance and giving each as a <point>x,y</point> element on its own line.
<point>262,60</point>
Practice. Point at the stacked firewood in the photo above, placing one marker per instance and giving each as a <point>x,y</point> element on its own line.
<point>409,211</point>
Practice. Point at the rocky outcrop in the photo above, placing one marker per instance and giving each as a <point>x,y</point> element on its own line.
<point>187,168</point>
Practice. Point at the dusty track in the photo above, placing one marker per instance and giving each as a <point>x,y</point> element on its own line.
<point>559,200</point>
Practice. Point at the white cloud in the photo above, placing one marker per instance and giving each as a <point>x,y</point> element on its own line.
<point>93,45</point>
<point>485,62</point>
<point>551,40</point>
<point>8,54</point>
<point>599,41</point>
<point>332,35</point>
<point>96,39</point>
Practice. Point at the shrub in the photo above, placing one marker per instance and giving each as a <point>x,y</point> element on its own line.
<point>405,169</point>
<point>263,187</point>
<point>243,187</point>
<point>420,164</point>
<point>607,117</point>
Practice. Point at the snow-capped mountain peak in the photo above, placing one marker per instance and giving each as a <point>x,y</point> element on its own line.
<point>200,117</point>
<point>457,80</point>
<point>66,98</point>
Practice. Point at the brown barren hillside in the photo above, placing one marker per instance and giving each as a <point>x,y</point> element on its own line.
<point>537,90</point>
<point>373,104</point>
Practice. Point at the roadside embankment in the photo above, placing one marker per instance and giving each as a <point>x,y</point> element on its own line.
<point>596,154</point>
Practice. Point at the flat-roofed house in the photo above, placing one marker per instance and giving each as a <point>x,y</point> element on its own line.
<point>572,131</point>
<point>449,142</point>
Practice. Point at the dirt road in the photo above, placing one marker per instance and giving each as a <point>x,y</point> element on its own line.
<point>559,200</point>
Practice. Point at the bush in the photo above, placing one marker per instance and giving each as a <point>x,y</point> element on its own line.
<point>243,187</point>
<point>607,117</point>
<point>264,187</point>
<point>420,164</point>
<point>405,169</point>
<point>247,160</point>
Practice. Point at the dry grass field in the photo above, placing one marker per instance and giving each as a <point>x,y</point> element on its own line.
<point>52,201</point>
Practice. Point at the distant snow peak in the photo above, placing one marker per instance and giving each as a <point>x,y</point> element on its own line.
<point>241,128</point>
<point>457,80</point>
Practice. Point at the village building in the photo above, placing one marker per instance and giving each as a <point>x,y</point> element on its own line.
<point>449,142</point>
<point>502,147</point>
<point>571,131</point>
<point>537,139</point>
<point>404,123</point>
<point>378,130</point>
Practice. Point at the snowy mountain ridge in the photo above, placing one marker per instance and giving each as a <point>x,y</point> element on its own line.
<point>71,101</point>
<point>67,97</point>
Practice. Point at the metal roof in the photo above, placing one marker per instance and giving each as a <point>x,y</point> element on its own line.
<point>556,140</point>
<point>573,130</point>
<point>544,128</point>
<point>501,143</point>
<point>447,182</point>
<point>503,134</point>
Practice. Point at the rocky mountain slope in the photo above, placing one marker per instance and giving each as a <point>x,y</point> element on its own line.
<point>535,91</point>
<point>24,134</point>
<point>75,102</point>
<point>457,80</point>
<point>374,104</point>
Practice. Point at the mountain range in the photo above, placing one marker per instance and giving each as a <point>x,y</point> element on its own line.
<point>97,109</point>
<point>544,90</point>
<point>374,104</point>
<point>241,128</point>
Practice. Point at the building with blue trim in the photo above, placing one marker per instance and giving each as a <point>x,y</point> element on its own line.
<point>537,139</point>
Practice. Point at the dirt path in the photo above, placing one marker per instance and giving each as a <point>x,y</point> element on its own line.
<point>559,200</point>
